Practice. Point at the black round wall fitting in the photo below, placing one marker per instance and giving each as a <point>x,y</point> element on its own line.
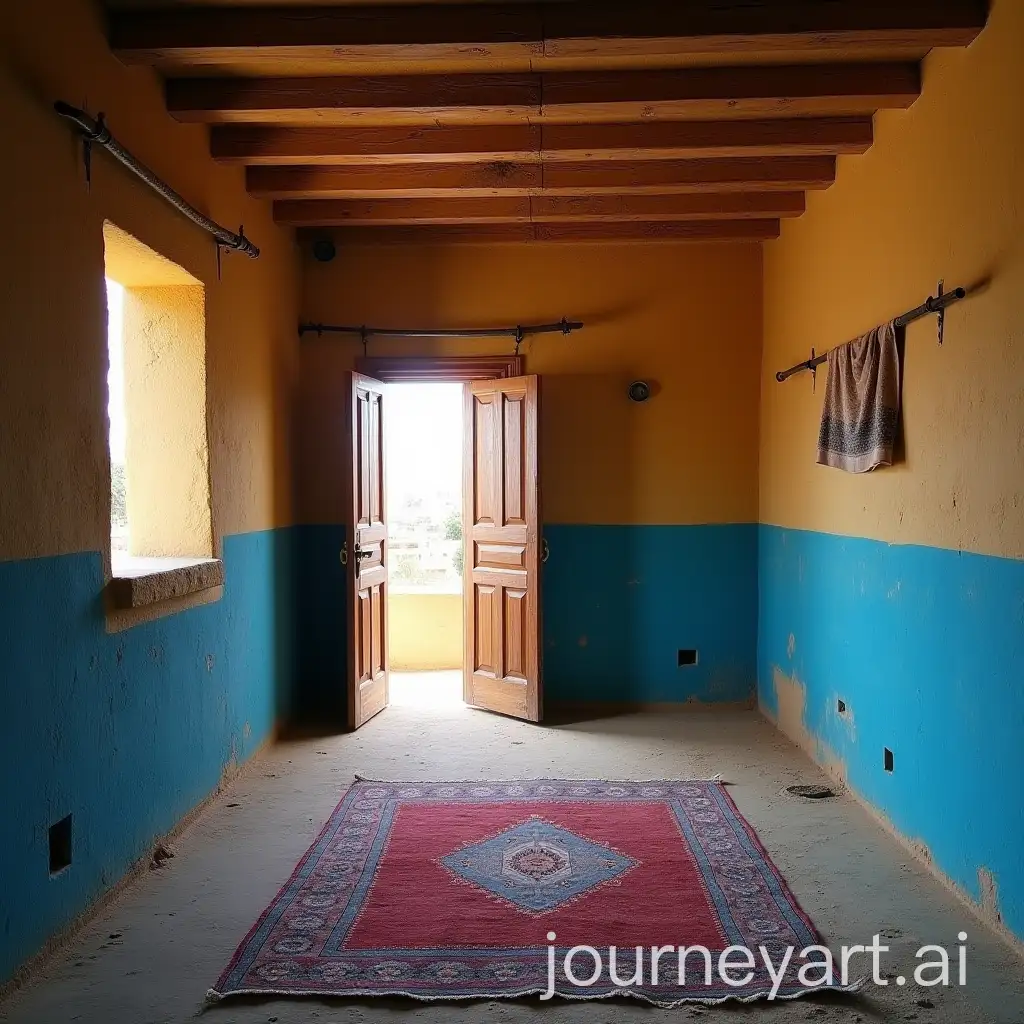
<point>324,250</point>
<point>639,391</point>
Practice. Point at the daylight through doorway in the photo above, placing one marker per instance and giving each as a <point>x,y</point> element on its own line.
<point>423,499</point>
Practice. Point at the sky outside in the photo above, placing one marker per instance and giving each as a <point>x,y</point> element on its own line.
<point>423,437</point>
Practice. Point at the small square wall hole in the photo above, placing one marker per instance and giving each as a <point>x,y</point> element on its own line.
<point>60,845</point>
<point>887,759</point>
<point>687,657</point>
<point>841,706</point>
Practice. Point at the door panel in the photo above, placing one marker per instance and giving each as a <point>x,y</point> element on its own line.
<point>502,524</point>
<point>366,551</point>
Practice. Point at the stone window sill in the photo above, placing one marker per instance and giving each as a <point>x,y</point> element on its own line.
<point>138,582</point>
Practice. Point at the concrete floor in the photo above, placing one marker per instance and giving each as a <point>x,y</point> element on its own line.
<point>178,926</point>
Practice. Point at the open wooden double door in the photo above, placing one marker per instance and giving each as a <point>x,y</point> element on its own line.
<point>501,530</point>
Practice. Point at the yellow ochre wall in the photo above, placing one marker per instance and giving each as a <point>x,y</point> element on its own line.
<point>53,450</point>
<point>121,723</point>
<point>167,456</point>
<point>649,509</point>
<point>901,592</point>
<point>939,195</point>
<point>424,631</point>
<point>685,317</point>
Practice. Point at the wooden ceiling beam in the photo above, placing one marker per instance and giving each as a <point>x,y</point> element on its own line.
<point>604,209</point>
<point>696,231</point>
<point>664,140</point>
<point>680,140</point>
<point>415,180</point>
<point>389,212</point>
<point>482,35</point>
<point>785,174</point>
<point>446,234</point>
<point>538,209</point>
<point>809,90</point>
<point>269,145</point>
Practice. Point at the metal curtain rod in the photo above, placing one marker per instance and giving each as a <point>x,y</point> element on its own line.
<point>933,304</point>
<point>519,333</point>
<point>95,132</point>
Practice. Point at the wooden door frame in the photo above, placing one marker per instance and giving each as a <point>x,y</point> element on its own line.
<point>441,369</point>
<point>446,369</point>
<point>357,712</point>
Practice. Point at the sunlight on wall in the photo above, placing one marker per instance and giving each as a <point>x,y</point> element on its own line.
<point>116,417</point>
<point>159,450</point>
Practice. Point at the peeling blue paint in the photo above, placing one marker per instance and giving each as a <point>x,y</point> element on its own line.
<point>620,601</point>
<point>926,647</point>
<point>128,731</point>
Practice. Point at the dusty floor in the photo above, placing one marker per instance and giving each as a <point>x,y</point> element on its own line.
<point>178,926</point>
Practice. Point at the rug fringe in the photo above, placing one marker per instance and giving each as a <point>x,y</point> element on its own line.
<point>852,989</point>
<point>716,778</point>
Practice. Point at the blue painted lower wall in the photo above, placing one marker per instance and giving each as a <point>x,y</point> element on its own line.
<point>620,601</point>
<point>127,732</point>
<point>926,648</point>
<point>320,624</point>
<point>618,604</point>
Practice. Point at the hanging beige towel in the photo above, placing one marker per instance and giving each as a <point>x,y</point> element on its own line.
<point>862,403</point>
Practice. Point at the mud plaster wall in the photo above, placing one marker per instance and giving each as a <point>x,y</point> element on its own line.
<point>167,456</point>
<point>125,731</point>
<point>902,592</point>
<point>649,510</point>
<point>53,460</point>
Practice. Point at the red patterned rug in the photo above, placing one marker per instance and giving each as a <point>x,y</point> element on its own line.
<point>482,890</point>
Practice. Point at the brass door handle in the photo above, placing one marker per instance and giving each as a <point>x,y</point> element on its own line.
<point>545,551</point>
<point>343,554</point>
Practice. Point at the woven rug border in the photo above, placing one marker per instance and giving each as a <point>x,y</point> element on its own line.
<point>215,994</point>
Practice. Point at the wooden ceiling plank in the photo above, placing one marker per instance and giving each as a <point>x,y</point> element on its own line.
<point>275,145</point>
<point>445,234</point>
<point>429,234</point>
<point>786,174</point>
<point>684,207</point>
<point>385,212</point>
<point>697,231</point>
<point>791,26</point>
<point>538,209</point>
<point>741,174</point>
<point>384,99</point>
<point>780,91</point>
<point>419,180</point>
<point>393,32</point>
<point>667,140</point>
<point>616,96</point>
<point>486,33</point>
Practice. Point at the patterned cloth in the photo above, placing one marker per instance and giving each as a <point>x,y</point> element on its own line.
<point>862,403</point>
<point>453,891</point>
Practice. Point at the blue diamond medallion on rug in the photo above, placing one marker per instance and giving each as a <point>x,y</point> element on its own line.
<point>536,865</point>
